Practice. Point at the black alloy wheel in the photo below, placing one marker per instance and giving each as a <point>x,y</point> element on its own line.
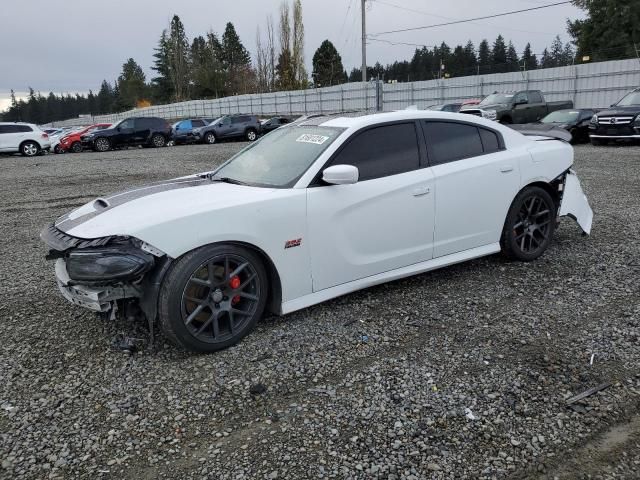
<point>213,297</point>
<point>76,147</point>
<point>102,144</point>
<point>530,224</point>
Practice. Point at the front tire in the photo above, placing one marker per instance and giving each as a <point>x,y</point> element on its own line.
<point>76,147</point>
<point>210,138</point>
<point>212,297</point>
<point>251,135</point>
<point>529,226</point>
<point>102,144</point>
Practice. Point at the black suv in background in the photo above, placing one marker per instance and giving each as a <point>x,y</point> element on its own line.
<point>619,122</point>
<point>229,126</point>
<point>135,131</point>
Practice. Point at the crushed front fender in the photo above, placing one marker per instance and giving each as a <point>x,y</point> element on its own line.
<point>575,204</point>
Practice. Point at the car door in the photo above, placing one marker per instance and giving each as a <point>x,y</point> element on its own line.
<point>381,223</point>
<point>476,179</point>
<point>9,138</point>
<point>538,108</point>
<point>142,131</point>
<point>183,129</point>
<point>521,108</point>
<point>125,132</point>
<point>223,129</point>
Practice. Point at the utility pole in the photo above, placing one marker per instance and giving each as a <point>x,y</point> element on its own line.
<point>364,43</point>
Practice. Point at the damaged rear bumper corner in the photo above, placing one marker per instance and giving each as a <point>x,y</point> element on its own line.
<point>575,204</point>
<point>97,299</point>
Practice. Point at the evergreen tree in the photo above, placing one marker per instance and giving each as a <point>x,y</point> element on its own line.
<point>106,98</point>
<point>470,59</point>
<point>327,65</point>
<point>178,60</point>
<point>610,30</point>
<point>484,56</point>
<point>513,62</point>
<point>207,68</point>
<point>237,63</point>
<point>161,85</point>
<point>499,55</point>
<point>131,84</point>
<point>529,59</point>
<point>546,61</point>
<point>556,52</point>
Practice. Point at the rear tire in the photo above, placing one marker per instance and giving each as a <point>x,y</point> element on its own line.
<point>102,144</point>
<point>529,226</point>
<point>212,297</point>
<point>251,135</point>
<point>29,149</point>
<point>210,138</point>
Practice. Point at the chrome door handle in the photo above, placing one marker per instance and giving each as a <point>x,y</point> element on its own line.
<point>506,168</point>
<point>418,192</point>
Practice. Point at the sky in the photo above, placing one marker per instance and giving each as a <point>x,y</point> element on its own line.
<point>71,46</point>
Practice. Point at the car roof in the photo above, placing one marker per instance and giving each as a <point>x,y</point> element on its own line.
<point>364,120</point>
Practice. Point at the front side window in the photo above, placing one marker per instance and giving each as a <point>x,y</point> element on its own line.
<point>536,97</point>
<point>382,151</point>
<point>125,124</point>
<point>521,98</point>
<point>280,158</point>
<point>450,141</point>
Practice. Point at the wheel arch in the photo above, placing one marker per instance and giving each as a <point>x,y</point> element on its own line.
<point>29,140</point>
<point>550,187</point>
<point>274,299</point>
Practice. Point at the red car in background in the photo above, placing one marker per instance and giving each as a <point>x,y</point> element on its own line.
<point>71,142</point>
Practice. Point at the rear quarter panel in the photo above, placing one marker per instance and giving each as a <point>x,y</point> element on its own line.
<point>548,159</point>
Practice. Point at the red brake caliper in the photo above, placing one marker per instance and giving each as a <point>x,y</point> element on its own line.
<point>234,283</point>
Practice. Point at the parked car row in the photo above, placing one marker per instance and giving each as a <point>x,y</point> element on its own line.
<point>619,122</point>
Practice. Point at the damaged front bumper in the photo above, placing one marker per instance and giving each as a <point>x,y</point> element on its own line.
<point>96,298</point>
<point>575,204</point>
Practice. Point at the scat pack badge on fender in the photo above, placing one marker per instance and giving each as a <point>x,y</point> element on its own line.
<point>293,243</point>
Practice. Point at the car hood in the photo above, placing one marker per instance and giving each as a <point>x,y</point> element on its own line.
<point>495,106</point>
<point>134,212</point>
<point>634,110</point>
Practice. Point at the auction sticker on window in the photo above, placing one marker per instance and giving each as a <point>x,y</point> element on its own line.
<point>307,138</point>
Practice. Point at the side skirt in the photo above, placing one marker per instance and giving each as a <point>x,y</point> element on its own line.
<point>338,290</point>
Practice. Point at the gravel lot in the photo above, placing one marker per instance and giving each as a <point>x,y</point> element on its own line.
<point>371,385</point>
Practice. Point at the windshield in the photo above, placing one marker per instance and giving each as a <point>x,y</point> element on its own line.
<point>497,98</point>
<point>280,158</point>
<point>632,98</point>
<point>561,116</point>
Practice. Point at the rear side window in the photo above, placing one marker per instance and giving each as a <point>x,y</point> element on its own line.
<point>449,141</point>
<point>382,151</point>
<point>197,123</point>
<point>490,141</point>
<point>5,128</point>
<point>23,128</point>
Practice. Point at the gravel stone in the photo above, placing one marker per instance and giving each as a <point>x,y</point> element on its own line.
<point>370,385</point>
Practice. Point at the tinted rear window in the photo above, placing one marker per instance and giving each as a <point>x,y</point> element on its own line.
<point>490,141</point>
<point>449,141</point>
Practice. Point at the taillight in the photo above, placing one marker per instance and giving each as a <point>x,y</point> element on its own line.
<point>44,135</point>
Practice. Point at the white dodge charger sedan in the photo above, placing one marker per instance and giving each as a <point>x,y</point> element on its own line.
<point>316,209</point>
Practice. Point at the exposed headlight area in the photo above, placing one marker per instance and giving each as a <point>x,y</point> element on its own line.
<point>116,263</point>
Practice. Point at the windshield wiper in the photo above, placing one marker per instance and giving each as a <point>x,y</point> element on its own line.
<point>233,181</point>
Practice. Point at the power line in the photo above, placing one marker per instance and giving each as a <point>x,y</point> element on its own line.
<point>411,10</point>
<point>472,19</point>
